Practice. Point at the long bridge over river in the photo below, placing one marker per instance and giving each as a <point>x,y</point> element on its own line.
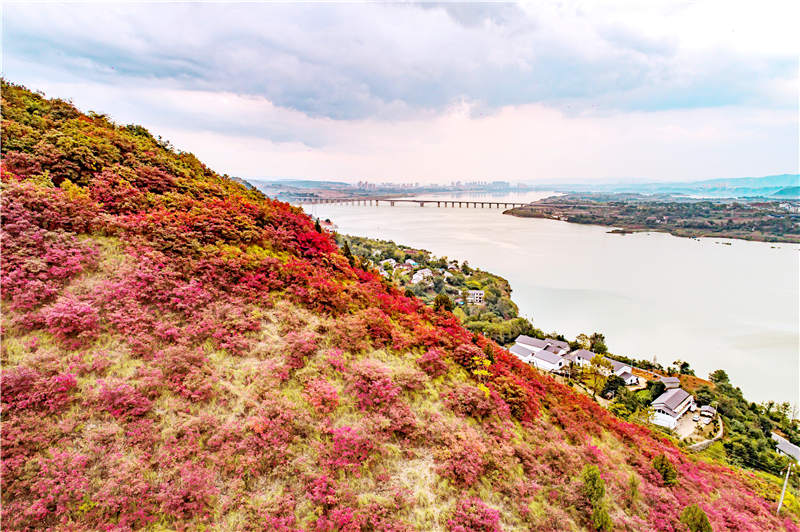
<point>420,202</point>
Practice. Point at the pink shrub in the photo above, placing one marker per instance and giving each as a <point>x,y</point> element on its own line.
<point>466,400</point>
<point>322,396</point>
<point>350,449</point>
<point>468,355</point>
<point>299,347</point>
<point>336,360</point>
<point>322,491</point>
<point>472,515</point>
<point>70,318</point>
<point>25,388</point>
<point>373,387</point>
<point>123,400</point>
<point>433,363</point>
<point>189,494</point>
<point>57,487</point>
<point>464,460</point>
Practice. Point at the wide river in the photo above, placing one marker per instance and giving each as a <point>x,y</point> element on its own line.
<point>652,294</point>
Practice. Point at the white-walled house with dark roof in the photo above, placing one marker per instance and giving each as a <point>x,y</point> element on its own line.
<point>670,406</point>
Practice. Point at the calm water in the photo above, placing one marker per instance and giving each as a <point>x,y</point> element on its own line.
<point>714,305</point>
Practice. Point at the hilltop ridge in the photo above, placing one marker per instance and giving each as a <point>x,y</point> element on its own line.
<point>180,352</point>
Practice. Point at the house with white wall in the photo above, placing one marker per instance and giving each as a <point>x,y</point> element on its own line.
<point>547,361</point>
<point>670,406</point>
<point>550,344</point>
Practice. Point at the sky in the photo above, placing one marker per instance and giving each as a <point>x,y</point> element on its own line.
<point>575,91</point>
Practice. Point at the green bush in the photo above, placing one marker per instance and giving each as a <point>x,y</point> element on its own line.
<point>695,519</point>
<point>593,485</point>
<point>668,472</point>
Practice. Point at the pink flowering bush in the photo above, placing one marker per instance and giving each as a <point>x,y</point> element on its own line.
<point>24,388</point>
<point>350,449</point>
<point>373,387</point>
<point>189,493</point>
<point>433,363</point>
<point>322,395</point>
<point>472,515</point>
<point>71,319</point>
<point>123,400</point>
<point>299,347</point>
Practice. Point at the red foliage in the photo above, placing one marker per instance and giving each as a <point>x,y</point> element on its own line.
<point>71,319</point>
<point>322,396</point>
<point>432,363</point>
<point>24,388</point>
<point>350,449</point>
<point>123,400</point>
<point>472,515</point>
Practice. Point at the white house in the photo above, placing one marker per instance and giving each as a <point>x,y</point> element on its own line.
<point>786,448</point>
<point>547,361</point>
<point>670,406</point>
<point>475,297</point>
<point>522,352</point>
<point>411,262</point>
<point>629,378</point>
<point>671,382</point>
<point>391,263</point>
<point>708,411</point>
<point>554,346</point>
<point>580,357</point>
<point>618,368</point>
<point>421,275</point>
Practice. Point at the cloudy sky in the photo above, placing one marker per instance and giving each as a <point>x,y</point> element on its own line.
<point>576,91</point>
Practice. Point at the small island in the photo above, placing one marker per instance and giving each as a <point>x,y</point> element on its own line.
<point>746,219</point>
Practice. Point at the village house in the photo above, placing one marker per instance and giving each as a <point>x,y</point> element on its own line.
<point>421,275</point>
<point>522,352</point>
<point>475,297</point>
<point>580,357</point>
<point>390,263</point>
<point>786,448</point>
<point>670,406</point>
<point>411,262</point>
<point>547,361</point>
<point>629,378</point>
<point>671,382</point>
<point>554,346</point>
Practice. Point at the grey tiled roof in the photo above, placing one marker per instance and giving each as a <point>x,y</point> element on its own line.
<point>787,447</point>
<point>520,350</point>
<point>671,399</point>
<point>547,356</point>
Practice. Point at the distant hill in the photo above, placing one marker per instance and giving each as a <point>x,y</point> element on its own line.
<point>739,187</point>
<point>788,192</point>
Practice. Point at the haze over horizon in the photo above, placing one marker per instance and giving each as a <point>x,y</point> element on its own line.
<point>434,92</point>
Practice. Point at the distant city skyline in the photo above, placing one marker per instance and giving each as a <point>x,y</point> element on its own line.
<point>535,92</point>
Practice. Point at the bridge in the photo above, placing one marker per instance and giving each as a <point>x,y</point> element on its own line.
<point>439,203</point>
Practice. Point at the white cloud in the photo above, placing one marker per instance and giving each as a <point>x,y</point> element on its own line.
<point>576,90</point>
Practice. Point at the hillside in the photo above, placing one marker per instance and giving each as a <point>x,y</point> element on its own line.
<point>181,352</point>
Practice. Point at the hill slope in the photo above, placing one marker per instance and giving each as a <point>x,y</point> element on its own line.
<point>180,351</point>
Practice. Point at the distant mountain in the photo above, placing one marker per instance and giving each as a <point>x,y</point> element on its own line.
<point>786,184</point>
<point>788,192</point>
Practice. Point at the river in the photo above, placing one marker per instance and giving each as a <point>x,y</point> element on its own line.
<point>715,303</point>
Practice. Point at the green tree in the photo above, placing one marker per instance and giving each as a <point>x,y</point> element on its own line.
<point>443,302</point>
<point>594,487</point>
<point>695,519</point>
<point>597,372</point>
<point>597,343</point>
<point>718,376</point>
<point>665,468</point>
